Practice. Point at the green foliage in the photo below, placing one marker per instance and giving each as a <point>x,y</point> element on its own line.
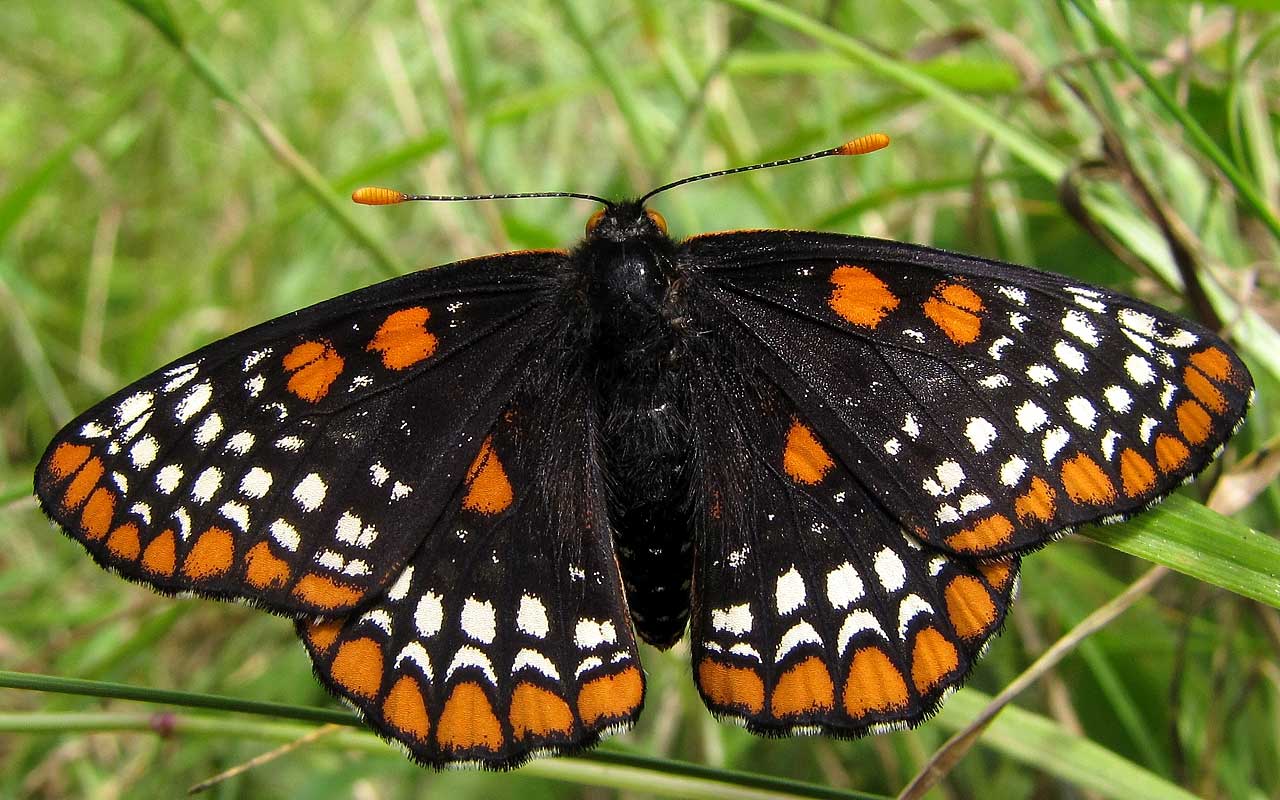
<point>172,171</point>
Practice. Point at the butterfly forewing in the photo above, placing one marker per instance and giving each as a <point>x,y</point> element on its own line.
<point>507,633</point>
<point>985,406</point>
<point>813,608</point>
<point>299,463</point>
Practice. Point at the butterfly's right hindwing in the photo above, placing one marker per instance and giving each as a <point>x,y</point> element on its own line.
<point>507,633</point>
<point>299,463</point>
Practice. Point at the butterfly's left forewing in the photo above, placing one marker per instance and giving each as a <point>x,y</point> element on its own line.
<point>507,633</point>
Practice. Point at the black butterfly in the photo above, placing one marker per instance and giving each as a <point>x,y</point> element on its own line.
<point>474,485</point>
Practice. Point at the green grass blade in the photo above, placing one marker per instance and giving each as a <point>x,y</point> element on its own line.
<point>1043,744</point>
<point>1185,536</point>
<point>340,208</point>
<point>1203,142</point>
<point>624,771</point>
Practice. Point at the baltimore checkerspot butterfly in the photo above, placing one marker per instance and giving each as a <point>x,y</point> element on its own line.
<point>473,487</point>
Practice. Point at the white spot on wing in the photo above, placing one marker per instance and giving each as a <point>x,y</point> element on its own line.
<point>890,571</point>
<point>285,534</point>
<point>479,620</point>
<point>1012,471</point>
<point>468,656</point>
<point>734,619</point>
<point>532,617</point>
<point>981,434</point>
<point>1082,412</point>
<point>1139,369</point>
<point>1031,416</point>
<point>1054,441</point>
<point>844,586</point>
<point>144,452</point>
<point>532,659</point>
<point>789,592</point>
<point>310,491</point>
<point>912,606</point>
<point>255,483</point>
<point>800,633</point>
<point>428,616</point>
<point>857,622</point>
<point>590,634</point>
<point>400,588</point>
<point>194,401</point>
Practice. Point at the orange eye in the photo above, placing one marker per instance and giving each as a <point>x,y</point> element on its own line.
<point>594,220</point>
<point>656,219</point>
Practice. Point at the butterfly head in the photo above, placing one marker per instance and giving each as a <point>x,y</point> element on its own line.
<point>627,221</point>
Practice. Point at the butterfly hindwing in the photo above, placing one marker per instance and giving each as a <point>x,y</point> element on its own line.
<point>297,464</point>
<point>813,609</point>
<point>987,406</point>
<point>507,633</point>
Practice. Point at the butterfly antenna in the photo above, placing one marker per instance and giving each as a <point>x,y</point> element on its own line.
<point>854,147</point>
<point>379,196</point>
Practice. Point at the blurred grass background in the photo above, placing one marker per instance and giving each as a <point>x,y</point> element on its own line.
<point>173,172</point>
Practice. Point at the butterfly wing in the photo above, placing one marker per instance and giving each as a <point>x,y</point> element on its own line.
<point>813,610</point>
<point>507,634</point>
<point>986,407</point>
<point>299,464</point>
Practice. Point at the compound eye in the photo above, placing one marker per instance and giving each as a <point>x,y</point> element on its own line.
<point>657,219</point>
<point>594,220</point>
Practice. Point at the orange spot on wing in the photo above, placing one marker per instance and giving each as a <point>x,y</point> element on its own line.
<point>357,667</point>
<point>263,569</point>
<point>124,543</point>
<point>488,489</point>
<point>160,557</point>
<point>933,658</point>
<point>1085,481</point>
<point>804,688</point>
<point>537,712</point>
<point>403,338</point>
<point>83,483</point>
<point>322,635</point>
<point>1194,422</point>
<point>97,514</point>
<point>860,297</point>
<point>405,709</point>
<point>210,556</point>
<point>1137,476</point>
<point>326,593</point>
<point>66,459</point>
<point>874,686</point>
<point>611,697</point>
<point>468,721</point>
<point>987,533</point>
<point>315,366</point>
<point>997,573</point>
<point>1171,453</point>
<point>1203,389</point>
<point>955,310</point>
<point>969,606</point>
<point>731,687</point>
<point>804,458</point>
<point>1037,502</point>
<point>1214,363</point>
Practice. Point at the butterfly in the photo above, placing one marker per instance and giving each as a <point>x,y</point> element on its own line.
<point>476,488</point>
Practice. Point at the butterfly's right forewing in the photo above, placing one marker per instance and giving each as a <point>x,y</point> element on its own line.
<point>298,464</point>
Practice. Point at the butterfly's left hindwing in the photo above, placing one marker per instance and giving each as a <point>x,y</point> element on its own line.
<point>985,406</point>
<point>299,463</point>
<point>507,633</point>
<point>813,610</point>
